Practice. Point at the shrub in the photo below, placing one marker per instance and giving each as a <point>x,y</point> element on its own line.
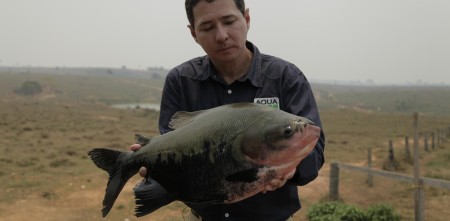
<point>29,88</point>
<point>323,212</point>
<point>336,211</point>
<point>382,212</point>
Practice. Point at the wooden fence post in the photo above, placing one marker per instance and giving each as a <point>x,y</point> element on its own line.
<point>407,151</point>
<point>369,164</point>
<point>334,181</point>
<point>390,163</point>
<point>445,134</point>
<point>426,142</point>
<point>432,141</point>
<point>418,196</point>
<point>421,201</point>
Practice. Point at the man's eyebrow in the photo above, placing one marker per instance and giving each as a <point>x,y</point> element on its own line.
<point>227,17</point>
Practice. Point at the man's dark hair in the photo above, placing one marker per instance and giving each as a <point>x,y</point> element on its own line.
<point>190,4</point>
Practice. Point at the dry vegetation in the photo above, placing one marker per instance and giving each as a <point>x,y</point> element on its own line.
<point>45,173</point>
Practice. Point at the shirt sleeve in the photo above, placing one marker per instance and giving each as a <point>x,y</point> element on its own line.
<point>170,102</point>
<point>298,99</point>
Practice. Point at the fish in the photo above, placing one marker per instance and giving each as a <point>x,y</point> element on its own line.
<point>215,156</point>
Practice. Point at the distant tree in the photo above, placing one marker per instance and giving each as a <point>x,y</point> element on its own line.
<point>29,88</point>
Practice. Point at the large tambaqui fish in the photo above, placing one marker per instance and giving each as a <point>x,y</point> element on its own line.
<point>220,155</point>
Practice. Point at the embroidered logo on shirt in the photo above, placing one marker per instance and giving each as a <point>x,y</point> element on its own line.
<point>269,101</point>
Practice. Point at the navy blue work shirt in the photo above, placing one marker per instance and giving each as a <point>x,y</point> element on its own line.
<point>196,85</point>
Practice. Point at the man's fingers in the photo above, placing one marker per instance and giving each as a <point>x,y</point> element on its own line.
<point>276,182</point>
<point>135,147</point>
<point>270,188</point>
<point>143,172</point>
<point>290,174</point>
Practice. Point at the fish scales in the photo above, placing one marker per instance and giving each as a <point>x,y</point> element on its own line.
<point>221,155</point>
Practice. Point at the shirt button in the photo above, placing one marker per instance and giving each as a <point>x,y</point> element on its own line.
<point>227,215</point>
<point>230,91</point>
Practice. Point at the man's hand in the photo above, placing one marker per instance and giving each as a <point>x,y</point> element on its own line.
<point>142,170</point>
<point>277,183</point>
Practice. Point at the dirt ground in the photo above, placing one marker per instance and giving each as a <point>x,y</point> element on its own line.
<point>45,173</point>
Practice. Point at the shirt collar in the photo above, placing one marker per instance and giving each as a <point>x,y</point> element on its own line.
<point>254,74</point>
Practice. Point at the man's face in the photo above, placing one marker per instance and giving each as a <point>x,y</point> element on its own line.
<point>221,29</point>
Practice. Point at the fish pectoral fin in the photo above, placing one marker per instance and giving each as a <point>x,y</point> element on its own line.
<point>141,139</point>
<point>247,176</point>
<point>150,196</point>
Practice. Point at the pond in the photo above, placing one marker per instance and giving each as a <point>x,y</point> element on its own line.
<point>151,106</point>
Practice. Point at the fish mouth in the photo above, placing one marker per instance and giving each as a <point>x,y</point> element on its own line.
<point>305,121</point>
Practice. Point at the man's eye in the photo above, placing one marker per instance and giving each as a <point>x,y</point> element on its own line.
<point>209,28</point>
<point>229,22</point>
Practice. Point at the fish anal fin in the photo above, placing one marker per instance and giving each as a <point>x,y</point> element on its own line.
<point>150,196</point>
<point>247,176</point>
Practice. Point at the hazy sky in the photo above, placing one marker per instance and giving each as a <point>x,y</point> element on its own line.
<point>386,41</point>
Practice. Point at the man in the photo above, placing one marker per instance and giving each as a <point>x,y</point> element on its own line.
<point>235,71</point>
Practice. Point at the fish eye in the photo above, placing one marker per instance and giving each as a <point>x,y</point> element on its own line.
<point>288,131</point>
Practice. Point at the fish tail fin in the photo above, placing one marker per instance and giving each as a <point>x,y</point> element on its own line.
<point>112,162</point>
<point>150,196</point>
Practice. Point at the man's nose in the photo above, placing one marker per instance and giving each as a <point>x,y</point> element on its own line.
<point>221,34</point>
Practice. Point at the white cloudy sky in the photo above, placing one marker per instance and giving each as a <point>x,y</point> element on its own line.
<point>387,41</point>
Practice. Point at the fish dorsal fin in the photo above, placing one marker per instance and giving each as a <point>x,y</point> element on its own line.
<point>247,176</point>
<point>141,139</point>
<point>181,118</point>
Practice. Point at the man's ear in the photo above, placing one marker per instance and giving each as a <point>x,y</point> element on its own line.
<point>193,34</point>
<point>247,17</point>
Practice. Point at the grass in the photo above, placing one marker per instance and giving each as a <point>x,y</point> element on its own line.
<point>45,171</point>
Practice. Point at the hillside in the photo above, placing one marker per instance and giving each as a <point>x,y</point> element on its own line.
<point>393,99</point>
<point>107,89</point>
<point>149,73</point>
<point>100,84</point>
